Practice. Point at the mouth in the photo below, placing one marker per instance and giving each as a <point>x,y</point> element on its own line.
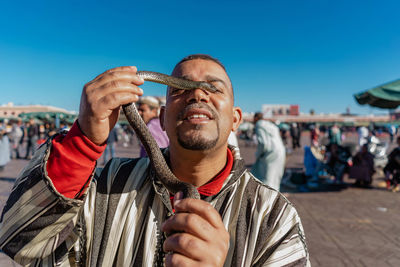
<point>197,116</point>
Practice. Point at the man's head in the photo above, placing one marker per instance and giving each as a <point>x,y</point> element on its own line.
<point>197,119</point>
<point>258,116</point>
<point>148,108</point>
<point>364,148</point>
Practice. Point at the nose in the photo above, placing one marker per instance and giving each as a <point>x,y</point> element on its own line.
<point>198,95</point>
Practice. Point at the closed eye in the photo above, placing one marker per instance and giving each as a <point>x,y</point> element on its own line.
<point>176,91</point>
<point>218,84</point>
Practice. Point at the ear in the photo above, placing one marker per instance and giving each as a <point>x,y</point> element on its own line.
<point>237,118</point>
<point>162,114</point>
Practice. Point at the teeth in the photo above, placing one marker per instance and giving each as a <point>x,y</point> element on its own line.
<point>198,116</point>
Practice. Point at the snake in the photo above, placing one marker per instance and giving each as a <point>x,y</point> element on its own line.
<point>157,160</point>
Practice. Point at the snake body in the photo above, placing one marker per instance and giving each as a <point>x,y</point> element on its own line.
<point>157,160</point>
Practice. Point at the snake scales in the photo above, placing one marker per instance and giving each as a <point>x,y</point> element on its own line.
<point>157,160</point>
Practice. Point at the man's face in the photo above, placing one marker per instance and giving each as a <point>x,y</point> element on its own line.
<point>197,119</point>
<point>146,112</point>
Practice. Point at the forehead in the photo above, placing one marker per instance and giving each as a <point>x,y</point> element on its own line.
<point>201,69</point>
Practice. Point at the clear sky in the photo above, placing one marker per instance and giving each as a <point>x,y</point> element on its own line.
<point>314,53</point>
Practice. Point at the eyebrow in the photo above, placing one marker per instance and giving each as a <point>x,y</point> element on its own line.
<point>209,78</point>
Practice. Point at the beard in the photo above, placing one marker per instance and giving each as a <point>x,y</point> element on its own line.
<point>195,140</point>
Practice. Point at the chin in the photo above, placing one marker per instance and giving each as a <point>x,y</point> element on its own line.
<point>197,143</point>
<point>197,138</point>
<point>199,146</point>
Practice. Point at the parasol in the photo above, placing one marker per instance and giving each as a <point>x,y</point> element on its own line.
<point>383,96</point>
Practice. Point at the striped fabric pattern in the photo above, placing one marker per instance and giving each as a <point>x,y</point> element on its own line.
<point>118,219</point>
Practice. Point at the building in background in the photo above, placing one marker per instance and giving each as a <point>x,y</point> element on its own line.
<point>10,111</point>
<point>271,110</point>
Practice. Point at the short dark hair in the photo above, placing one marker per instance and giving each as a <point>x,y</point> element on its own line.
<point>258,115</point>
<point>200,56</point>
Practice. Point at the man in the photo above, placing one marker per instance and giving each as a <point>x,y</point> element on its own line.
<point>295,133</point>
<point>4,147</point>
<point>335,135</point>
<point>119,218</point>
<point>33,136</point>
<point>392,168</point>
<point>315,134</point>
<point>270,154</point>
<point>363,134</point>
<point>148,110</point>
<point>16,135</point>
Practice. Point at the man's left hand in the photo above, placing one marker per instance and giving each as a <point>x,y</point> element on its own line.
<point>199,239</point>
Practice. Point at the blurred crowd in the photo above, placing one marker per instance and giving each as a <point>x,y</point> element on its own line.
<point>328,156</point>
<point>331,155</point>
<point>19,140</point>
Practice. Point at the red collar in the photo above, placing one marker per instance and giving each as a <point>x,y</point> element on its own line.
<point>215,184</point>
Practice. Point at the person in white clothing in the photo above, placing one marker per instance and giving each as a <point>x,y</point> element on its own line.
<point>270,154</point>
<point>362,135</point>
<point>232,139</point>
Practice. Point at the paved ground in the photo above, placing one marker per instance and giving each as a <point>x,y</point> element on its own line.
<point>344,226</point>
<point>349,226</point>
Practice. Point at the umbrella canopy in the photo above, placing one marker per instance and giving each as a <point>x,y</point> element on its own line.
<point>383,96</point>
<point>48,116</point>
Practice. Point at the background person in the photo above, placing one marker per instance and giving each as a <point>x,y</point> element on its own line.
<point>392,168</point>
<point>32,133</point>
<point>16,135</point>
<point>270,154</point>
<point>148,108</point>
<point>335,135</point>
<point>4,148</point>
<point>363,134</point>
<point>315,133</point>
<point>363,167</point>
<point>232,139</point>
<point>295,133</point>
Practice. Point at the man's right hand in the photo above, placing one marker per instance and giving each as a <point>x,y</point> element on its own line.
<point>101,100</point>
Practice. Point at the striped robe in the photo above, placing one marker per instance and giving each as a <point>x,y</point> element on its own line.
<point>117,220</point>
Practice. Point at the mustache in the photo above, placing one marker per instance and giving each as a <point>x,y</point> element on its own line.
<point>182,113</point>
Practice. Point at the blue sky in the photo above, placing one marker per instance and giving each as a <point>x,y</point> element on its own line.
<point>313,53</point>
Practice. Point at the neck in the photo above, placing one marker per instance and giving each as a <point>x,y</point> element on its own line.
<point>197,167</point>
<point>155,117</point>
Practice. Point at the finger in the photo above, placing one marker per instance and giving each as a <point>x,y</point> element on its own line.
<point>114,87</point>
<point>190,223</point>
<point>100,104</point>
<point>175,259</point>
<point>186,244</point>
<point>117,75</point>
<point>114,100</point>
<point>122,68</point>
<point>200,207</point>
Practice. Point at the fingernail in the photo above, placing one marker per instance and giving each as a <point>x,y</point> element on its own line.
<point>178,197</point>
